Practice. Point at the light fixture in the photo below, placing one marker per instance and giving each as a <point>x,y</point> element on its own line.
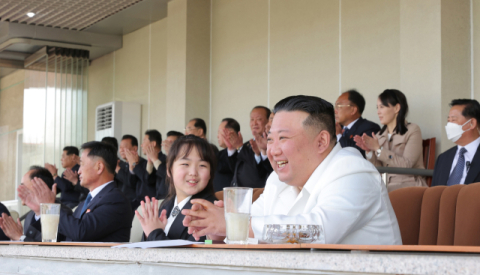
<point>30,14</point>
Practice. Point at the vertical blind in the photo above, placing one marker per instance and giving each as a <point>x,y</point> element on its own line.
<point>55,105</point>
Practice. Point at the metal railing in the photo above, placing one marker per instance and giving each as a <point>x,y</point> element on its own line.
<point>406,171</point>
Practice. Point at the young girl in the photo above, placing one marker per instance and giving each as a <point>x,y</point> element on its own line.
<point>190,169</point>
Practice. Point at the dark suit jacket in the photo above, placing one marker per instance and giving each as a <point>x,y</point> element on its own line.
<point>3,209</point>
<point>145,185</point>
<point>108,218</point>
<point>443,165</point>
<point>32,229</point>
<point>247,173</point>
<point>358,129</point>
<point>177,230</point>
<point>70,193</point>
<point>124,181</point>
<point>223,174</point>
<point>161,176</point>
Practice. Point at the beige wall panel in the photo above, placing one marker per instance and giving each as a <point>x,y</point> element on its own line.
<point>100,88</point>
<point>370,49</point>
<point>456,62</point>
<point>304,49</point>
<point>8,143</point>
<point>176,63</point>
<point>12,79</point>
<point>11,102</point>
<point>239,61</point>
<point>420,64</point>
<point>131,71</point>
<point>158,81</point>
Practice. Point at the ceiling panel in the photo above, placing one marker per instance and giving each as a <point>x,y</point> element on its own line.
<point>63,14</point>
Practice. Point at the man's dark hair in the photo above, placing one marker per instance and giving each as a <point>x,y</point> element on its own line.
<point>174,134</point>
<point>267,110</point>
<point>104,151</point>
<point>232,124</point>
<point>71,150</point>
<point>356,99</point>
<point>200,123</point>
<point>321,112</point>
<point>154,135</point>
<point>112,141</point>
<point>41,173</point>
<point>133,140</point>
<point>471,110</point>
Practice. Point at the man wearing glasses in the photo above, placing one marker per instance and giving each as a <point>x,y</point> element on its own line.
<point>348,119</point>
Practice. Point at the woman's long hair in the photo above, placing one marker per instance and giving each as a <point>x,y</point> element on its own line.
<point>182,147</point>
<point>392,97</point>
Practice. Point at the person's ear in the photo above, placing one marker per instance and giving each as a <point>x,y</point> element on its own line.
<point>397,108</point>
<point>322,141</point>
<point>354,110</point>
<point>100,167</point>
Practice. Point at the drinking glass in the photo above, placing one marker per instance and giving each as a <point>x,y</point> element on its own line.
<point>50,216</point>
<point>237,202</point>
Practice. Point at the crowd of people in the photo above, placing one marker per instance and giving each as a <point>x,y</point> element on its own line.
<point>316,162</point>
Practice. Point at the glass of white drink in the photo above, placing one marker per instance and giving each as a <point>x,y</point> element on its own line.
<point>49,218</point>
<point>237,201</point>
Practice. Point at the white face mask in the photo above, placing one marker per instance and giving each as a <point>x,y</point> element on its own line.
<point>455,131</point>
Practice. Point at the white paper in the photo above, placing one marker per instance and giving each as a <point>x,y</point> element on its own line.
<point>152,244</point>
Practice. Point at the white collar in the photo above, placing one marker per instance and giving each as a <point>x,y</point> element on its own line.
<point>98,189</point>
<point>182,203</point>
<point>349,126</point>
<point>471,147</point>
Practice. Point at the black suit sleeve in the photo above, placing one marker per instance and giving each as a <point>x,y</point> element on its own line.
<point>437,171</point>
<point>3,209</point>
<point>64,184</point>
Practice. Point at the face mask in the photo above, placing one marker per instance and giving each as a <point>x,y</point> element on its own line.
<point>455,131</point>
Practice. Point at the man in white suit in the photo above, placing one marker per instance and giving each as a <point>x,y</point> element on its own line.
<point>314,181</point>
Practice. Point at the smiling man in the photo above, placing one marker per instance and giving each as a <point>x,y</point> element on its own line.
<point>314,181</point>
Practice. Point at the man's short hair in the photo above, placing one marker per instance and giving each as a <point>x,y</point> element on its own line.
<point>232,124</point>
<point>174,134</point>
<point>357,99</point>
<point>41,173</point>
<point>133,140</point>
<point>71,150</point>
<point>104,151</point>
<point>200,123</point>
<point>154,135</point>
<point>321,112</point>
<point>112,141</point>
<point>267,110</point>
<point>471,110</point>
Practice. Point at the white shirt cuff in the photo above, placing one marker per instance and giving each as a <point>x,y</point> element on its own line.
<point>257,158</point>
<point>369,155</point>
<point>230,152</point>
<point>339,136</point>
<point>37,217</point>
<point>157,163</point>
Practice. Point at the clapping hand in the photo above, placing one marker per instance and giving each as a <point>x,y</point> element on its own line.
<point>360,143</point>
<point>371,142</point>
<point>206,216</point>
<point>12,229</point>
<point>71,176</point>
<point>132,157</point>
<point>231,140</point>
<point>150,220</point>
<point>39,193</point>
<point>151,152</point>
<point>52,169</point>
<point>338,128</point>
<point>261,144</point>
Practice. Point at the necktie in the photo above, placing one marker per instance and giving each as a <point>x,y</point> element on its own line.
<point>457,172</point>
<point>87,201</point>
<point>345,132</point>
<point>175,211</point>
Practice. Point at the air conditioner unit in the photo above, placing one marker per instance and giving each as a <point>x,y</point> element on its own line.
<point>115,119</point>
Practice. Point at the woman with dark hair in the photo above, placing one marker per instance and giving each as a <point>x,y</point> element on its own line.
<point>398,143</point>
<point>190,169</point>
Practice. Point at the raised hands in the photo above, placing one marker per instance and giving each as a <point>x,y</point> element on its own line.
<point>132,157</point>
<point>205,218</point>
<point>150,220</point>
<point>367,143</point>
<point>151,152</point>
<point>259,145</point>
<point>52,169</point>
<point>39,193</point>
<point>231,140</point>
<point>12,229</point>
<point>71,176</point>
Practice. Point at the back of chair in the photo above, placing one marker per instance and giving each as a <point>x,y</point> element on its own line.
<point>429,146</point>
<point>467,221</point>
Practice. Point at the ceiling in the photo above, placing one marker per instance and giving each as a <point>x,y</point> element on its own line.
<point>93,25</point>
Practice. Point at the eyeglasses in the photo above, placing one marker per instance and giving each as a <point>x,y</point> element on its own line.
<point>338,106</point>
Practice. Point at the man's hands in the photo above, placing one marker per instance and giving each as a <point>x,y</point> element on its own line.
<point>39,193</point>
<point>132,157</point>
<point>12,229</point>
<point>205,218</point>
<point>52,169</point>
<point>151,152</point>
<point>150,220</point>
<point>338,128</point>
<point>118,166</point>
<point>232,140</point>
<point>71,176</point>
<point>259,145</point>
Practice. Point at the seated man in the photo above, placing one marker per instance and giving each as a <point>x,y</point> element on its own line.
<point>32,231</point>
<point>171,137</point>
<point>126,179</point>
<point>228,133</point>
<point>461,163</point>
<point>314,181</point>
<point>349,122</point>
<point>3,213</point>
<point>198,127</point>
<point>157,162</point>
<point>67,184</point>
<point>105,216</point>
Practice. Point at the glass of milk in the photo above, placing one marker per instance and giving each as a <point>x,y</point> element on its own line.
<point>49,218</point>
<point>237,202</point>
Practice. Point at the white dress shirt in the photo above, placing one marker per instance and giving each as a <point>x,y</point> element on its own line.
<point>349,126</point>
<point>344,195</point>
<point>471,150</point>
<point>171,219</point>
